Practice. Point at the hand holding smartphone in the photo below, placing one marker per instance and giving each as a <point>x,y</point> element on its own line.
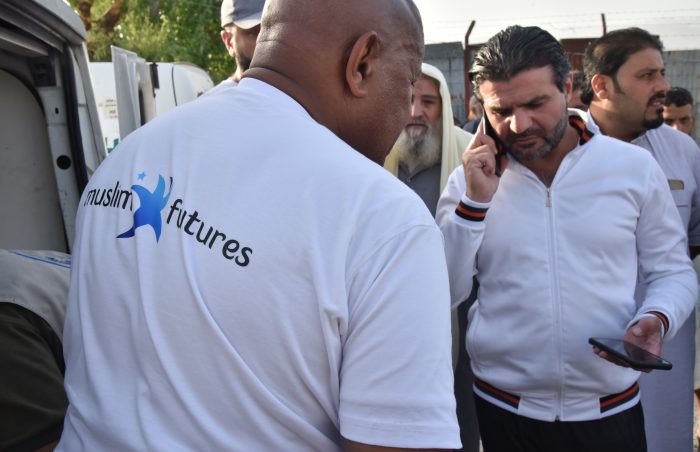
<point>482,165</point>
<point>634,356</point>
<point>502,151</point>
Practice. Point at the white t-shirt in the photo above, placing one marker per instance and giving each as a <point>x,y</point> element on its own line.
<point>224,86</point>
<point>278,290</point>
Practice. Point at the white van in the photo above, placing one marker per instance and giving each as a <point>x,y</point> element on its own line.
<point>143,91</point>
<point>50,137</point>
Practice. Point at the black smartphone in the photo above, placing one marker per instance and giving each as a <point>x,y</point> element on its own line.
<point>636,357</point>
<point>488,129</point>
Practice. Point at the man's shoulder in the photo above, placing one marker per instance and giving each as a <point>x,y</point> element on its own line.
<point>675,146</point>
<point>626,157</point>
<point>673,138</point>
<point>377,197</point>
<point>607,143</point>
<point>383,188</point>
<point>224,85</point>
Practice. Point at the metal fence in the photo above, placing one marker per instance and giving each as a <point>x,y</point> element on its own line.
<point>682,69</point>
<point>449,58</point>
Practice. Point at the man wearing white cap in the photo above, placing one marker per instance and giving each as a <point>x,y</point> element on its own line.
<point>240,23</point>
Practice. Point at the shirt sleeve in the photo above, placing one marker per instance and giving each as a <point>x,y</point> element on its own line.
<point>694,224</point>
<point>664,266</point>
<point>463,235</point>
<point>396,375</point>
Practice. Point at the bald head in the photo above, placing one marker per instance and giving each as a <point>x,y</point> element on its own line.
<point>349,64</point>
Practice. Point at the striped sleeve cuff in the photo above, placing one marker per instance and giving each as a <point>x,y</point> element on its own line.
<point>661,316</point>
<point>471,210</point>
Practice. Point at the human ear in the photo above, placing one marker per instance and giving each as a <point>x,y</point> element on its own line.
<point>226,38</point>
<point>600,86</point>
<point>360,64</point>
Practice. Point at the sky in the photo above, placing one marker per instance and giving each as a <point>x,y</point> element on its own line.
<point>677,22</point>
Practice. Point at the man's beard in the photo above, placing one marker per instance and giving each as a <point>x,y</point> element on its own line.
<point>416,150</point>
<point>647,124</point>
<point>551,140</point>
<point>656,122</point>
<point>243,61</point>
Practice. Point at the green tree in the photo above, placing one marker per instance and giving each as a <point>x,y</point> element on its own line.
<point>158,30</point>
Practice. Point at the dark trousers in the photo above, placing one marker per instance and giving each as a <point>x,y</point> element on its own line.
<point>464,384</point>
<point>503,431</point>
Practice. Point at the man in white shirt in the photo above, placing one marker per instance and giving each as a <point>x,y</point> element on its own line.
<point>626,89</point>
<point>246,274</point>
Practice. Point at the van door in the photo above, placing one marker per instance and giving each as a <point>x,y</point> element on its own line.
<point>135,90</point>
<point>50,137</point>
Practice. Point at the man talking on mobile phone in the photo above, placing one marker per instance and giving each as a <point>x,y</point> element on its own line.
<point>555,243</point>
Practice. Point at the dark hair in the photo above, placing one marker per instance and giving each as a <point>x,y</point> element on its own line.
<point>514,50</point>
<point>577,80</point>
<point>679,97</point>
<point>606,54</point>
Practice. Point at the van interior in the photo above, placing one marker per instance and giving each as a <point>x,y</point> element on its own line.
<point>50,139</point>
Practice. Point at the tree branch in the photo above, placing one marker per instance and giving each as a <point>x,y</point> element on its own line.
<point>154,9</point>
<point>110,18</point>
<point>84,8</point>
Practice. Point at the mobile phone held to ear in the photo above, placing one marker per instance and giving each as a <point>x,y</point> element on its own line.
<point>636,357</point>
<point>488,129</point>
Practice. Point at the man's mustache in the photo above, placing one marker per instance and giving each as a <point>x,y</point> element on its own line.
<point>656,97</point>
<point>418,122</point>
<point>532,132</point>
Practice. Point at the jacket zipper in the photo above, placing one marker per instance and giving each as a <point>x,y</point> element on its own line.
<point>556,303</point>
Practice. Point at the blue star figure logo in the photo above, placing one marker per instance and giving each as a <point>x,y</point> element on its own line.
<point>149,209</point>
<point>142,175</point>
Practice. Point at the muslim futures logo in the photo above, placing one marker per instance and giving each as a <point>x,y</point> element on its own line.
<point>148,213</point>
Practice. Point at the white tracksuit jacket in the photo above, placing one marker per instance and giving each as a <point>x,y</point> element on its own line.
<point>558,265</point>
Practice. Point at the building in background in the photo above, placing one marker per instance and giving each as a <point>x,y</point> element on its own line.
<point>449,58</point>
